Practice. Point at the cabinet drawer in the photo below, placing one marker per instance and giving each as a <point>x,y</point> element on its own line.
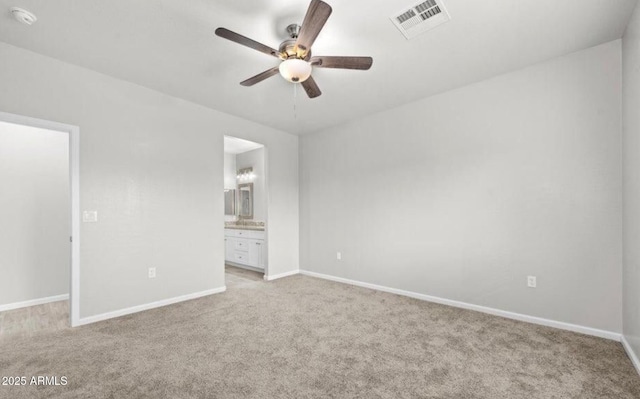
<point>241,245</point>
<point>253,234</point>
<point>241,258</point>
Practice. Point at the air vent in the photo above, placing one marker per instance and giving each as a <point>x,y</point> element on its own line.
<point>421,18</point>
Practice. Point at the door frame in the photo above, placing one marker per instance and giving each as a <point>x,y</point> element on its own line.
<point>74,183</point>
<point>267,195</point>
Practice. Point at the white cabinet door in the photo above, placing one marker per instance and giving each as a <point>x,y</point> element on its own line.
<point>256,259</point>
<point>262,254</point>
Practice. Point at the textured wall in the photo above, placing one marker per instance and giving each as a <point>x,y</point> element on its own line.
<point>465,194</point>
<point>230,177</point>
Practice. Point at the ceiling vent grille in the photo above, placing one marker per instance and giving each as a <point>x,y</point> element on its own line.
<point>421,18</point>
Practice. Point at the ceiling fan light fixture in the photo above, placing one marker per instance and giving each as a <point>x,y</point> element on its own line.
<point>295,70</point>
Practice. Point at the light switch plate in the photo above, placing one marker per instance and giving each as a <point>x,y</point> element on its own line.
<point>152,272</point>
<point>90,216</point>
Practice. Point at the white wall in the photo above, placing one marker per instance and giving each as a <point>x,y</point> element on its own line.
<point>34,213</point>
<point>230,171</point>
<point>255,160</point>
<point>152,166</point>
<point>631,141</point>
<point>464,194</point>
<point>230,182</point>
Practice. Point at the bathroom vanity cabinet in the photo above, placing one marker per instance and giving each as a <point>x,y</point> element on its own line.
<point>245,248</point>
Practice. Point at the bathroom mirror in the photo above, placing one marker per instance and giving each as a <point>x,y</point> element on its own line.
<point>229,202</point>
<point>245,201</point>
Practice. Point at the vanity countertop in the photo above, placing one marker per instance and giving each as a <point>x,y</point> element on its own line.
<point>237,227</point>
<point>254,225</point>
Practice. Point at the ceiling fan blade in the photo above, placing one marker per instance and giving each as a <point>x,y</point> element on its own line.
<point>362,63</point>
<point>245,41</point>
<point>311,88</point>
<point>317,15</point>
<point>261,76</point>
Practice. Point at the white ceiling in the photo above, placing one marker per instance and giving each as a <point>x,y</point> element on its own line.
<point>170,46</point>
<point>234,145</point>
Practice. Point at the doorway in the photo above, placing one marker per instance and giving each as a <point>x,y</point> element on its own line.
<point>39,167</point>
<point>245,194</point>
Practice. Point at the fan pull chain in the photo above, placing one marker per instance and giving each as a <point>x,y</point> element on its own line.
<point>295,97</point>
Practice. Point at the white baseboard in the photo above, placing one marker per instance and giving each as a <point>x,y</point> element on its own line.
<point>33,302</point>
<point>632,355</point>
<point>496,312</point>
<point>281,275</point>
<point>147,306</point>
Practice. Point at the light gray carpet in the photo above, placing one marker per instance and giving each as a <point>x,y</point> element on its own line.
<point>301,337</point>
<point>33,320</point>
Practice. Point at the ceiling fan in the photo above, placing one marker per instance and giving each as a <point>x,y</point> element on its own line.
<point>295,53</point>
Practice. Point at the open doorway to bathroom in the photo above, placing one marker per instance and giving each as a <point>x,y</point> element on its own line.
<point>245,199</point>
<point>39,212</point>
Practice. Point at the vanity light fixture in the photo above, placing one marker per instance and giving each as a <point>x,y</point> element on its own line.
<point>245,174</point>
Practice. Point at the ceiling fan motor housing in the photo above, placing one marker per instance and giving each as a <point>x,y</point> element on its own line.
<point>287,50</point>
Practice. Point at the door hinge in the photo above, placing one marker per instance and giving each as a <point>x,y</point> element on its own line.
<point>70,239</point>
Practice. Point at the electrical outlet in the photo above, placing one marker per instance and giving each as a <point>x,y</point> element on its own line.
<point>152,272</point>
<point>339,255</point>
<point>531,281</point>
